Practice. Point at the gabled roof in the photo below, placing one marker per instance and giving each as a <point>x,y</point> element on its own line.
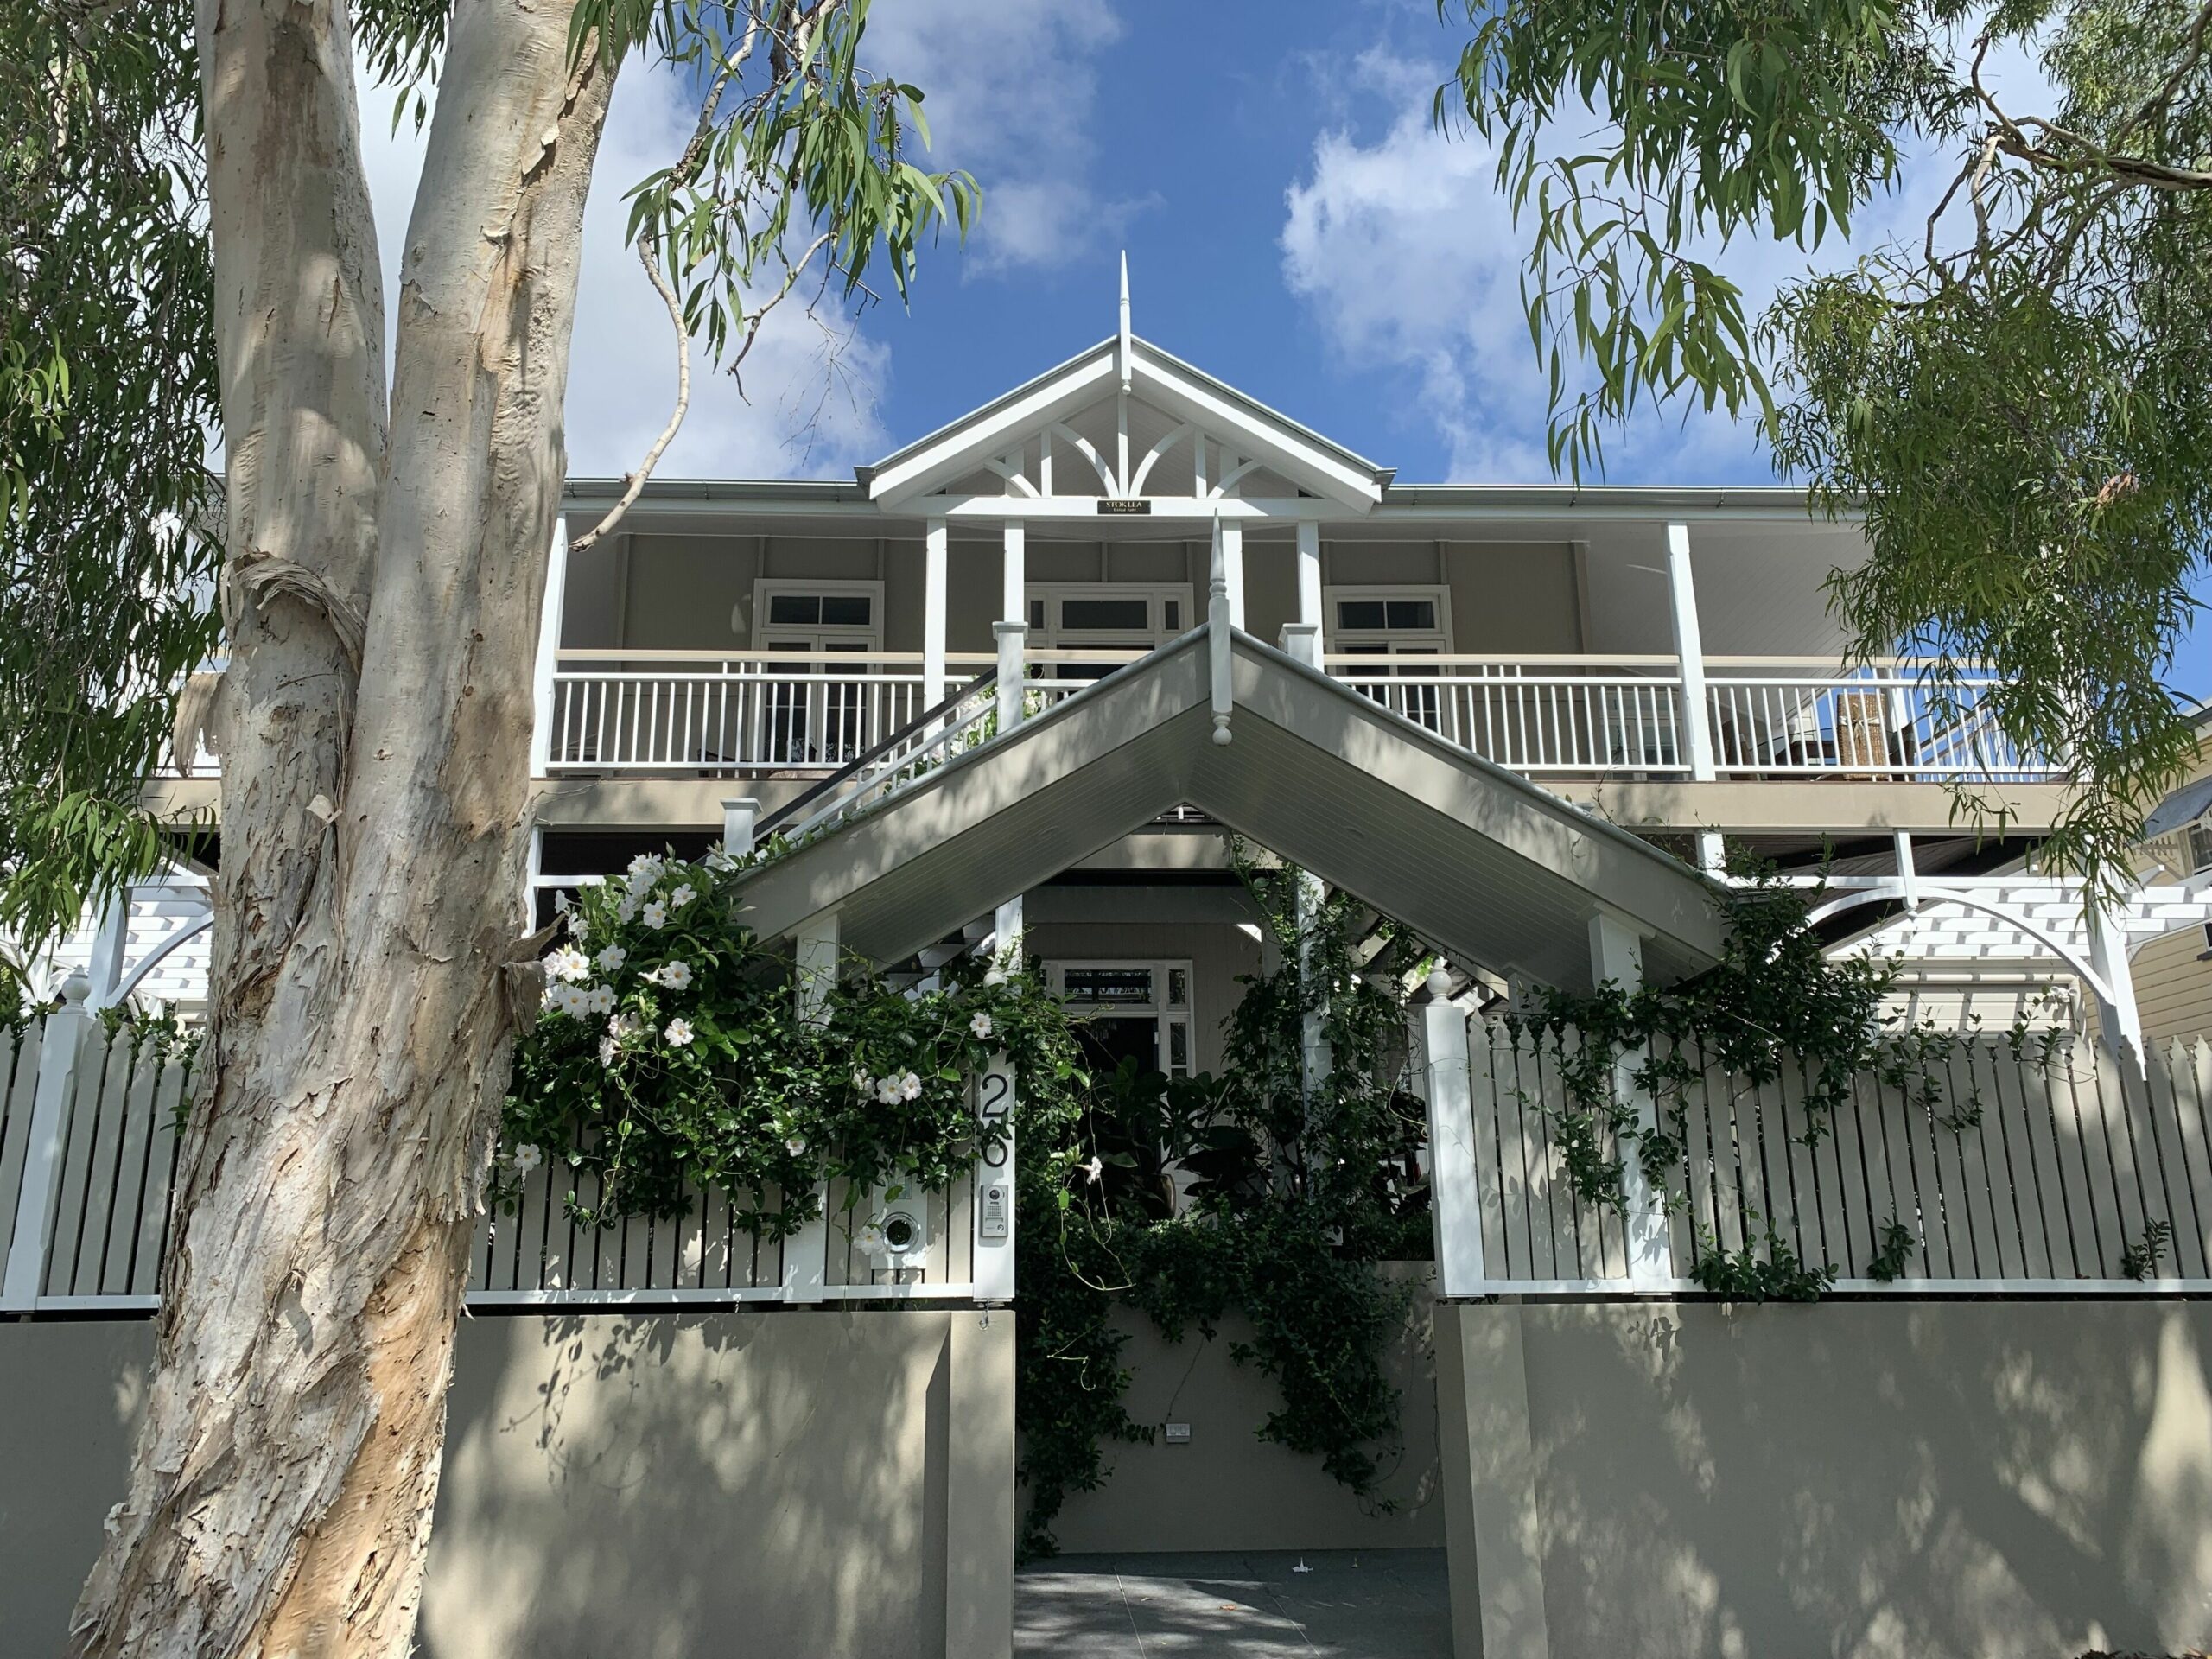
<point>1128,366</point>
<point>1493,869</point>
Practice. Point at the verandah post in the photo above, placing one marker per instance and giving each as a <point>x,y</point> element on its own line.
<point>1689,657</point>
<point>548,651</point>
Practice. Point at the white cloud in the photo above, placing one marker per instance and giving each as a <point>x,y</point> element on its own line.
<point>1408,257</point>
<point>1011,92</point>
<point>812,391</point>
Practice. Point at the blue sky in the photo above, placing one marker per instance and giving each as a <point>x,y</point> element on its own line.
<point>1293,225</point>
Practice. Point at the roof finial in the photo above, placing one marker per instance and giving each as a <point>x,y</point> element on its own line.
<point>1125,319</point>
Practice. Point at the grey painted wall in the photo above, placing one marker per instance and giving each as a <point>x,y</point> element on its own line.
<point>633,1484</point>
<point>1229,1490</point>
<point>1886,1480</point>
<point>668,592</point>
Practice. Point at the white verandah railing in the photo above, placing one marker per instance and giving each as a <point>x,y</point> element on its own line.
<point>1898,718</point>
<point>734,715</point>
<point>2020,1173</point>
<point>1584,715</point>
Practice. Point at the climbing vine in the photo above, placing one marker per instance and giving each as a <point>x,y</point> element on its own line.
<point>670,1057</point>
<point>1775,1001</point>
<point>1270,1192</point>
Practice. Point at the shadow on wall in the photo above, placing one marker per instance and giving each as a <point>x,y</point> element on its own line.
<point>1227,1489</point>
<point>71,1396</point>
<point>657,1486</point>
<point>1989,1479</point>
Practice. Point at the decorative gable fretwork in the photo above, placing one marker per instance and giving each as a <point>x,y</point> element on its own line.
<point>1126,428</point>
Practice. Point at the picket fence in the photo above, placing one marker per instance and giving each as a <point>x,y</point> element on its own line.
<point>2032,1168</point>
<point>88,1135</point>
<point>2020,1173</point>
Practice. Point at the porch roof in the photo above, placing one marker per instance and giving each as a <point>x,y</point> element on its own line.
<point>1496,870</point>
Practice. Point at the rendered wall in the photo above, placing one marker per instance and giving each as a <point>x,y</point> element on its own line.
<point>1228,1489</point>
<point>641,1484</point>
<point>1854,1478</point>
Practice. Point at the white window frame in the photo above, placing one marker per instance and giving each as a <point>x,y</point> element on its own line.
<point>1051,637</point>
<point>1426,641</point>
<point>1164,1015</point>
<point>767,587</point>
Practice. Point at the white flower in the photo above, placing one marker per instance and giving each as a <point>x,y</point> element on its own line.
<point>1095,1169</point>
<point>720,862</point>
<point>655,914</point>
<point>611,959</point>
<point>674,975</point>
<point>609,1051</point>
<point>561,905</point>
<point>678,1033</point>
<point>681,897</point>
<point>600,999</point>
<point>886,1090</point>
<point>525,1158</point>
<point>645,870</point>
<point>861,1082</point>
<point>981,1025</point>
<point>567,963</point>
<point>577,927</point>
<point>795,1146</point>
<point>910,1087</point>
<point>871,1240</point>
<point>626,910</point>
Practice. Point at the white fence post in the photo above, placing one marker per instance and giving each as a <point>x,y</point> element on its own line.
<point>1453,1189</point>
<point>61,1048</point>
<point>1616,954</point>
<point>992,1251</point>
<point>806,1252</point>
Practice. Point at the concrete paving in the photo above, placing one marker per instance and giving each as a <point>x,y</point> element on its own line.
<point>1389,1603</point>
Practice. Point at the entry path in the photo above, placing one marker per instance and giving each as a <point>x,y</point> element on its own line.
<point>1388,1603</point>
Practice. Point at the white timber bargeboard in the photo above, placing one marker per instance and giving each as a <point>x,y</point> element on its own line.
<point>1492,867</point>
<point>1219,413</point>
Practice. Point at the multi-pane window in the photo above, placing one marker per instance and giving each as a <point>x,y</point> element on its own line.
<point>1130,1010</point>
<point>1394,622</point>
<point>1123,618</point>
<point>815,716</point>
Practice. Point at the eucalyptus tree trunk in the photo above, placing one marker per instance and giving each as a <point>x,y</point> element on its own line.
<point>381,598</point>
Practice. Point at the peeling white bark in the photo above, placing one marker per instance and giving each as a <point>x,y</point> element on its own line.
<point>331,1174</point>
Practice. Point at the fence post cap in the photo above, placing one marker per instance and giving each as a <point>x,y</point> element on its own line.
<point>75,989</point>
<point>1439,979</point>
